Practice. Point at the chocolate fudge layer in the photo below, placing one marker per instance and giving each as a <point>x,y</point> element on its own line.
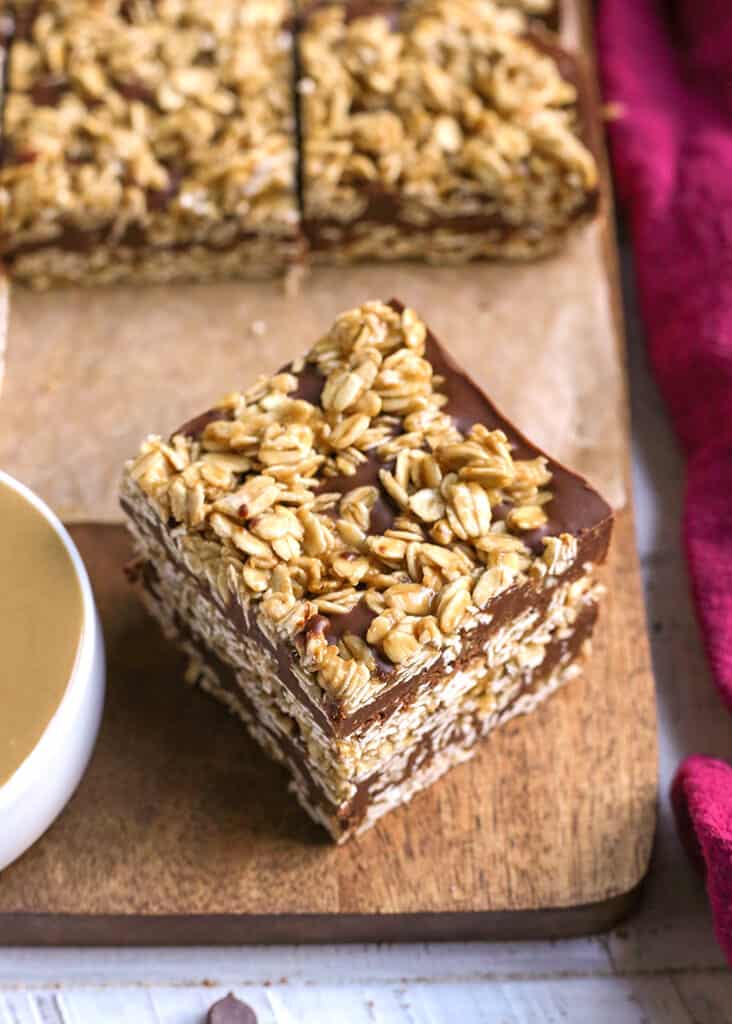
<point>148,140</point>
<point>374,555</point>
<point>482,697</point>
<point>438,129</point>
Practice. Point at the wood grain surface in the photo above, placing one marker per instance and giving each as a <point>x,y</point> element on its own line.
<point>183,832</point>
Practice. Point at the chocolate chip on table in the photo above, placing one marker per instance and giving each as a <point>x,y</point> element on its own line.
<point>231,1011</point>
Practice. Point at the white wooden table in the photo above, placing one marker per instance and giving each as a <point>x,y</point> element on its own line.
<point>661,966</point>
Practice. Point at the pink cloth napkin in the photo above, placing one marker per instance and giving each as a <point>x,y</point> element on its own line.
<point>668,68</point>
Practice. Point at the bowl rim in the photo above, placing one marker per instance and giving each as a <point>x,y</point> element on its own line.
<point>81,677</point>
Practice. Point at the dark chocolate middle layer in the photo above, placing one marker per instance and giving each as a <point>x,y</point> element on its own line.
<point>384,209</point>
<point>330,717</point>
<point>560,650</point>
<point>85,241</point>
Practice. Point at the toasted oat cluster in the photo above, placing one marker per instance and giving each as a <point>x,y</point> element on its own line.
<point>438,128</point>
<point>256,485</point>
<point>366,562</point>
<point>132,127</point>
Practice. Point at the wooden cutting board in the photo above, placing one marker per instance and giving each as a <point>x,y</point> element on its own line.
<point>182,831</point>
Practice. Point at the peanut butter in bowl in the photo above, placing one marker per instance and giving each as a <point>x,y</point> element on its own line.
<point>41,618</point>
<point>51,668</point>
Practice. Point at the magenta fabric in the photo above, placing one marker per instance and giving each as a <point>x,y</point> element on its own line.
<point>667,69</point>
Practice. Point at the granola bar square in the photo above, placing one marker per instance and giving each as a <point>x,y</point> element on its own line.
<point>148,141</point>
<point>444,130</point>
<point>367,563</point>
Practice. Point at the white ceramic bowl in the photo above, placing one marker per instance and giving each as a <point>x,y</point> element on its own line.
<point>36,793</point>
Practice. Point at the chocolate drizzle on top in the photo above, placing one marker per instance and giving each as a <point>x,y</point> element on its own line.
<point>310,383</point>
<point>194,428</point>
<point>574,506</point>
<point>134,90</point>
<point>48,90</point>
<point>385,510</point>
<point>160,199</point>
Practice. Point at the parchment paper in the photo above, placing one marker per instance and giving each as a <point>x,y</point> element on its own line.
<point>90,372</point>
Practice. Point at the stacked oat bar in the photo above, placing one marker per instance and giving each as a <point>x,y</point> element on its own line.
<point>153,140</point>
<point>367,563</point>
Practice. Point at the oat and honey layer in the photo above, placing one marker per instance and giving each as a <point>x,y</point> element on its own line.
<point>438,130</point>
<point>372,550</point>
<point>149,140</point>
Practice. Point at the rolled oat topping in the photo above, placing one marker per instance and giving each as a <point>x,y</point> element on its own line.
<point>438,109</point>
<point>365,494</point>
<point>155,122</point>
